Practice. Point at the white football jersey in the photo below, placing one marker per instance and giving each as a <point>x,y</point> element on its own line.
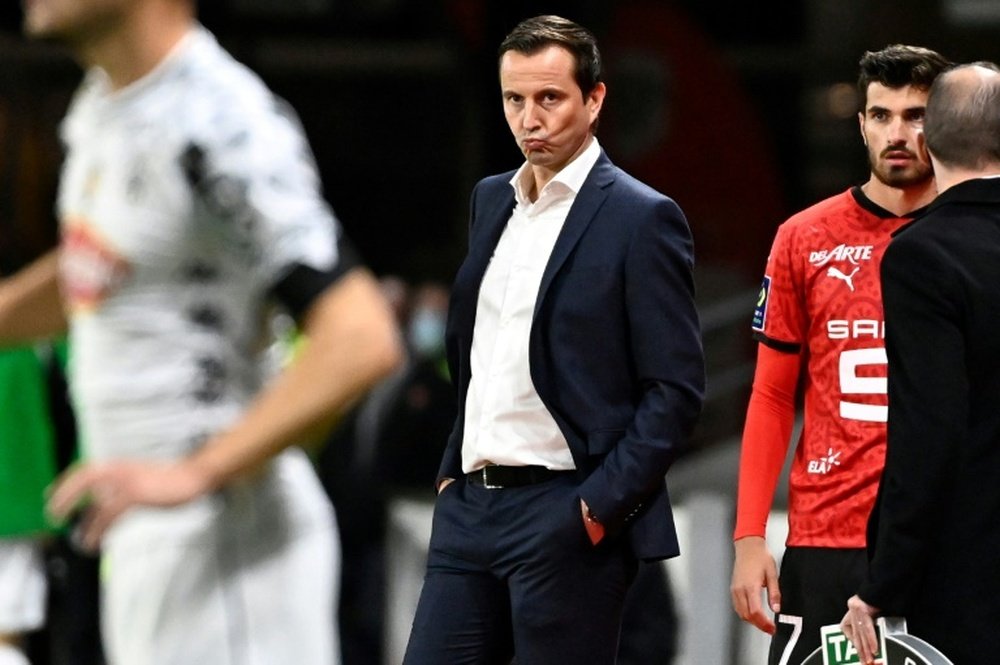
<point>184,198</point>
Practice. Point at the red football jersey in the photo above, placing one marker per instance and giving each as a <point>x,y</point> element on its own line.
<point>821,296</point>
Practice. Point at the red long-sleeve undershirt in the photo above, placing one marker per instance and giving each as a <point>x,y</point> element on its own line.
<point>766,435</point>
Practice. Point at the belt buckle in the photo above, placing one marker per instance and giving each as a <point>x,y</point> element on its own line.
<point>486,482</point>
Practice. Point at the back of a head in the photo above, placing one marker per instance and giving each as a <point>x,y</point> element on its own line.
<point>900,65</point>
<point>962,126</point>
<point>534,34</point>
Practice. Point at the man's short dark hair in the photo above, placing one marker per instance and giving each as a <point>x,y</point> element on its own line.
<point>899,65</point>
<point>534,34</point>
<point>962,126</point>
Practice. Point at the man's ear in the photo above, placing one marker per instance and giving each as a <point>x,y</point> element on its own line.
<point>595,100</point>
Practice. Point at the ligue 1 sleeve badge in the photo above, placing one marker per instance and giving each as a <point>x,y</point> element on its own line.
<point>760,310</point>
<point>896,647</point>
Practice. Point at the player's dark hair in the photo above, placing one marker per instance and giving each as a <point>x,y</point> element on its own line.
<point>962,125</point>
<point>534,34</point>
<point>899,65</point>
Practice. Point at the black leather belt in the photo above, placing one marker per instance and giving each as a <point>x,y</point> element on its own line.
<point>498,477</point>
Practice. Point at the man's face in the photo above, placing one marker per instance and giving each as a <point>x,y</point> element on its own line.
<point>545,109</point>
<point>892,126</point>
<point>70,20</point>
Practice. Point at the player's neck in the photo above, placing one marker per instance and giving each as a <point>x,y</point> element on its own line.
<point>899,201</point>
<point>134,47</point>
<point>950,176</point>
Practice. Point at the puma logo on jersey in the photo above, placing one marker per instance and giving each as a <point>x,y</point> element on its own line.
<point>824,464</point>
<point>847,279</point>
<point>842,252</point>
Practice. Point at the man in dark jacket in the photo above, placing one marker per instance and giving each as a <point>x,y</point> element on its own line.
<point>934,533</point>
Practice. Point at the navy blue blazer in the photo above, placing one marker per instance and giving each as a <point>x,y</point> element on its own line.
<point>615,345</point>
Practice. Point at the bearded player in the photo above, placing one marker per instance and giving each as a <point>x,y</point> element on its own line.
<point>820,327</point>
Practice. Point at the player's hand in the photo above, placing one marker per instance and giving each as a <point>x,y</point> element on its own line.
<point>753,570</point>
<point>595,530</point>
<point>102,492</point>
<point>858,625</point>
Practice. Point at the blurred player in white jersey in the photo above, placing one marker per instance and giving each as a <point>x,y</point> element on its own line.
<point>190,207</point>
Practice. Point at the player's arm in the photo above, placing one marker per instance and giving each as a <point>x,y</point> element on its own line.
<point>30,304</point>
<point>766,435</point>
<point>351,342</point>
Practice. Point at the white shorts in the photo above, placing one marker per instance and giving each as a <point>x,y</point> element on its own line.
<point>22,585</point>
<point>257,585</point>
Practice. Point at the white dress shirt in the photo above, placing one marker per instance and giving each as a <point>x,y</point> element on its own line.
<point>505,420</point>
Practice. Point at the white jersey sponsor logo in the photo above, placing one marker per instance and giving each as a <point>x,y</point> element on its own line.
<point>842,252</point>
<point>89,268</point>
<point>855,329</point>
<point>847,279</point>
<point>825,464</point>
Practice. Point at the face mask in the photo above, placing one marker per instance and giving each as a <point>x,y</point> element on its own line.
<point>426,332</point>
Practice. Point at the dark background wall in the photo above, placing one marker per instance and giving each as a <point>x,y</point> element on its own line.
<point>732,109</point>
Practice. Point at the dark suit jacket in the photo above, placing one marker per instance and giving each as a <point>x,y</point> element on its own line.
<point>615,348</point>
<point>934,535</point>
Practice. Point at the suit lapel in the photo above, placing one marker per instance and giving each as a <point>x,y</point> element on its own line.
<point>488,230</point>
<point>492,215</point>
<point>588,201</point>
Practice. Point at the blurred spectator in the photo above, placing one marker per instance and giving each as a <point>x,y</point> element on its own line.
<point>390,443</point>
<point>417,426</point>
<point>425,332</point>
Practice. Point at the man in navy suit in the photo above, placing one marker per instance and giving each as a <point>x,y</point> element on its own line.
<point>574,345</point>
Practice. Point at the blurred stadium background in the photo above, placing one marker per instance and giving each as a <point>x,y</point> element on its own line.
<point>743,112</point>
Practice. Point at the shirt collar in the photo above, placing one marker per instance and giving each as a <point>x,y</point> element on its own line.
<point>195,38</point>
<point>571,176</point>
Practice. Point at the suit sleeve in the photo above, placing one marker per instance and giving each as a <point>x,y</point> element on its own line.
<point>666,349</point>
<point>928,412</point>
